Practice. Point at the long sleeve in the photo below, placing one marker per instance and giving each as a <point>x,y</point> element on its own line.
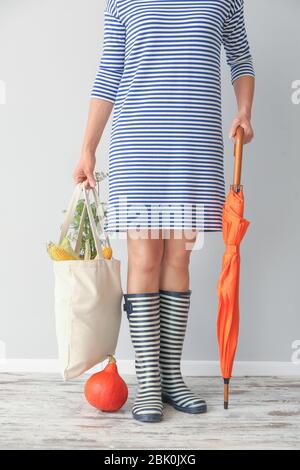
<point>236,43</point>
<point>111,66</point>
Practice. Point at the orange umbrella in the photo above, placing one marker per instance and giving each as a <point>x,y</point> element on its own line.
<point>234,229</point>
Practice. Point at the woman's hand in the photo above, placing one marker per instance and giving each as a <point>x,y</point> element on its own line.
<point>84,170</point>
<point>99,113</point>
<point>244,92</point>
<point>243,120</point>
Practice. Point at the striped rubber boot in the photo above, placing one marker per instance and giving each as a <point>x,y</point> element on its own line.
<point>144,323</point>
<point>174,308</point>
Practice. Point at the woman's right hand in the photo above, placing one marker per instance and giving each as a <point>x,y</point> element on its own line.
<point>84,171</point>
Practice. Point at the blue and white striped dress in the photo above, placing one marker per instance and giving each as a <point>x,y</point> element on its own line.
<point>160,67</point>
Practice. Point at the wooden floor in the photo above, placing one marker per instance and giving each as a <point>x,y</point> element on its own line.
<point>42,412</point>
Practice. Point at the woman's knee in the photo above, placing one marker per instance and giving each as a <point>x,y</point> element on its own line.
<point>145,257</point>
<point>177,258</point>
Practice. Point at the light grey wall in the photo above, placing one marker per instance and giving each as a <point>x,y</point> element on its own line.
<point>49,51</point>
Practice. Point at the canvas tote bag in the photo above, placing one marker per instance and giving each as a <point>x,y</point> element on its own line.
<point>88,298</point>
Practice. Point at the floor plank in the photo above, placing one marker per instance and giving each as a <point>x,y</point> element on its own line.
<point>42,412</point>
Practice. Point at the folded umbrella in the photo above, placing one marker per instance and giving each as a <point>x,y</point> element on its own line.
<point>234,229</point>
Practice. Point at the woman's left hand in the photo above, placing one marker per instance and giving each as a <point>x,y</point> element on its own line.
<point>243,120</point>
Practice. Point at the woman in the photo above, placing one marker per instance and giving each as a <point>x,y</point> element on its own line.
<point>160,69</point>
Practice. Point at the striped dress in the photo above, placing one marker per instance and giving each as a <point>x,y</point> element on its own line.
<point>160,66</point>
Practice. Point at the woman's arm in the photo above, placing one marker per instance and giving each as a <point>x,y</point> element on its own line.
<point>244,92</point>
<point>104,92</point>
<point>98,116</point>
<point>242,72</point>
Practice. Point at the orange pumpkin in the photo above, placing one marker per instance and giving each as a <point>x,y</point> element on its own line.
<point>106,390</point>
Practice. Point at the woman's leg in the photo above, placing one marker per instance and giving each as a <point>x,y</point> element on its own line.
<point>144,262</point>
<point>142,304</point>
<point>174,274</point>
<point>174,309</point>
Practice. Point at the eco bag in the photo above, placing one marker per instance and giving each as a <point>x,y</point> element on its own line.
<point>88,298</point>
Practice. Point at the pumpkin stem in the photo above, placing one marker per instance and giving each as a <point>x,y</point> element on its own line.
<point>111,360</point>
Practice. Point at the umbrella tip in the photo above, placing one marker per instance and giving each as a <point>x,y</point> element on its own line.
<point>226,393</point>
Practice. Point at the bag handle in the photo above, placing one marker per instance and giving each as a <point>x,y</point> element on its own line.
<point>80,231</point>
<point>100,212</point>
<point>238,158</point>
<point>70,212</point>
<point>92,219</point>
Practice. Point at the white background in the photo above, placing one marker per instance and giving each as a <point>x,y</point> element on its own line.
<point>49,53</point>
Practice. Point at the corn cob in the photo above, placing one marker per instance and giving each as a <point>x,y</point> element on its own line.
<point>66,245</point>
<point>57,253</point>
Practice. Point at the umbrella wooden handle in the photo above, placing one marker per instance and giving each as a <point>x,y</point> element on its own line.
<point>238,156</point>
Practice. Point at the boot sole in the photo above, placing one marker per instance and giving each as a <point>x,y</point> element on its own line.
<point>147,418</point>
<point>193,411</point>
